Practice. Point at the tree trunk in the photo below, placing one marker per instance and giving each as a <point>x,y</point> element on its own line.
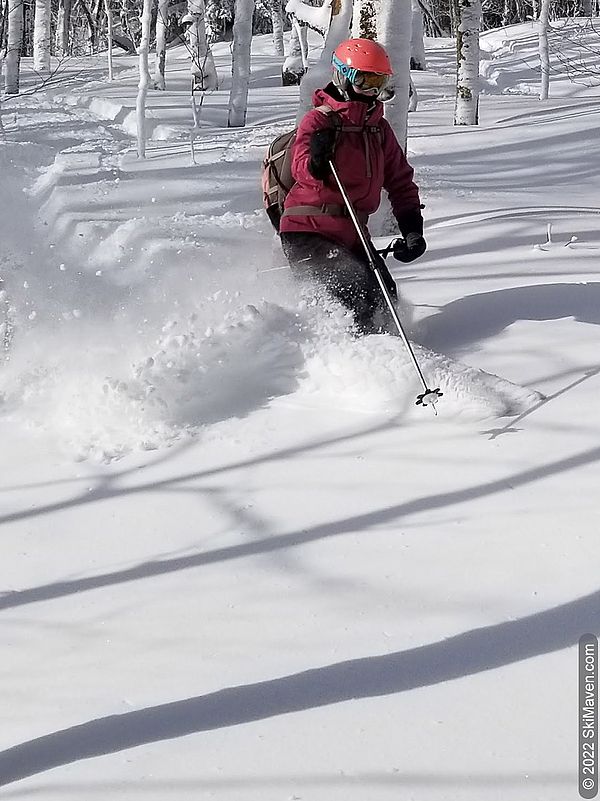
<point>319,75</point>
<point>91,25</point>
<point>302,34</point>
<point>242,41</point>
<point>364,19</point>
<point>417,48</point>
<point>41,37</point>
<point>124,21</point>
<point>162,19</point>
<point>3,22</point>
<point>13,48</point>
<point>293,66</point>
<point>277,21</point>
<point>394,28</point>
<point>204,74</point>
<point>144,82</point>
<point>109,37</point>
<point>468,18</point>
<point>543,49</point>
<point>413,97</point>
<point>62,27</point>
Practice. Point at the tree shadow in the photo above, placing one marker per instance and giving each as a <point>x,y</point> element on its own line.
<point>465,654</point>
<point>272,543</point>
<point>477,317</point>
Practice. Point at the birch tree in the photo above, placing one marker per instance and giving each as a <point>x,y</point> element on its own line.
<point>13,47</point>
<point>293,66</point>
<point>41,37</point>
<point>162,17</point>
<point>332,20</point>
<point>62,27</point>
<point>467,18</point>
<point>109,38</point>
<point>240,67</point>
<point>417,46</point>
<point>543,24</point>
<point>394,26</point>
<point>204,73</point>
<point>277,21</point>
<point>364,19</point>
<point>144,82</point>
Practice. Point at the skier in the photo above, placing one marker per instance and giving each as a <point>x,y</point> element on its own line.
<point>317,235</point>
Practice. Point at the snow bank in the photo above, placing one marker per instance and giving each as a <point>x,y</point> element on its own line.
<point>510,59</point>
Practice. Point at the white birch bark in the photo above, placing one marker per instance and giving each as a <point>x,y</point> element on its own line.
<point>302,34</point>
<point>364,19</point>
<point>41,37</point>
<point>293,67</point>
<point>144,82</point>
<point>417,46</point>
<point>13,48</point>
<point>62,27</point>
<point>109,38</point>
<point>277,20</point>
<point>543,49</point>
<point>240,68</point>
<point>335,28</point>
<point>468,18</point>
<point>204,73</point>
<point>413,97</point>
<point>394,33</point>
<point>161,44</point>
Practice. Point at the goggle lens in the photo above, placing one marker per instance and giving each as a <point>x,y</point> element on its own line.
<point>370,80</point>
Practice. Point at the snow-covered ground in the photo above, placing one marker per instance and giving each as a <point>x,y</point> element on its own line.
<point>237,561</point>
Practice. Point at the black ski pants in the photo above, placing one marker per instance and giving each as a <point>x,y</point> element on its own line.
<point>346,275</point>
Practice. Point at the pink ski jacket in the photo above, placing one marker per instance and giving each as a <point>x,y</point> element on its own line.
<point>367,160</point>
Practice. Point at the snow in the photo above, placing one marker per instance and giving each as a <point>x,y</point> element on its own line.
<point>238,562</point>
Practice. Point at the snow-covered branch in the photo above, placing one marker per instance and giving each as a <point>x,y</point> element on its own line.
<point>316,17</point>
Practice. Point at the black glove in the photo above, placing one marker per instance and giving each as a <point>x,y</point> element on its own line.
<point>410,248</point>
<point>322,144</point>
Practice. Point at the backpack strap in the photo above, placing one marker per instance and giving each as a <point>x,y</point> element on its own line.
<point>365,130</point>
<point>327,110</point>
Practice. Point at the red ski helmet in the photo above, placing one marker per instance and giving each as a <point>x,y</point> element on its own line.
<point>364,55</point>
<point>363,65</point>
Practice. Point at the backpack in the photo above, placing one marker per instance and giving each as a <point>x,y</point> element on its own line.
<point>276,172</point>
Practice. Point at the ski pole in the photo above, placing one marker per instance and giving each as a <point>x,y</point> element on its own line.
<point>428,397</point>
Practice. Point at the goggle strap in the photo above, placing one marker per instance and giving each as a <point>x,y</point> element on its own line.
<point>344,69</point>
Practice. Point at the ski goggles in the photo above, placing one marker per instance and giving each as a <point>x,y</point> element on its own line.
<point>370,81</point>
<point>364,81</point>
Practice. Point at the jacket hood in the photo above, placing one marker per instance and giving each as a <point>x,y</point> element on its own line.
<point>352,111</point>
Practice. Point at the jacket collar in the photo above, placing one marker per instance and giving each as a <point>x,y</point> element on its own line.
<point>353,112</point>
